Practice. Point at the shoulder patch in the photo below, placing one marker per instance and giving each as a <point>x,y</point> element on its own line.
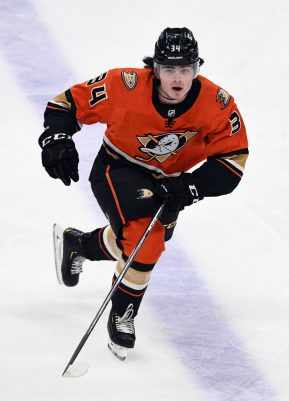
<point>223,97</point>
<point>129,78</point>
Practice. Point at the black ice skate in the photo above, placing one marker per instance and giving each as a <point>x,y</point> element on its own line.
<point>68,254</point>
<point>121,332</point>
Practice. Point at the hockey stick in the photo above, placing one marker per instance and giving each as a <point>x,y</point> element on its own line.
<point>79,370</point>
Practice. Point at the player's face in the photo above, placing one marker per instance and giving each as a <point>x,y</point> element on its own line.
<point>176,81</point>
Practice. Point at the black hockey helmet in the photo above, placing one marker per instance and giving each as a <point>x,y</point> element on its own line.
<point>176,46</point>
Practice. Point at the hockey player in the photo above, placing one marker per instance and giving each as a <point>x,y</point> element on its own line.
<point>162,120</point>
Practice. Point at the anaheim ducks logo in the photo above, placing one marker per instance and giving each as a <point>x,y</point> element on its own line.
<point>163,146</point>
<point>144,193</point>
<point>224,97</point>
<point>129,79</point>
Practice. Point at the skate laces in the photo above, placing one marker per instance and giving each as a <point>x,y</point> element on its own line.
<point>76,266</point>
<point>125,324</point>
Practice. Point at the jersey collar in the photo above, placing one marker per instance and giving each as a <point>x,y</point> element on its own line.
<point>175,110</point>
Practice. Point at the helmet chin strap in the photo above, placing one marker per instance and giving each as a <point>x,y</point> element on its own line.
<point>165,97</point>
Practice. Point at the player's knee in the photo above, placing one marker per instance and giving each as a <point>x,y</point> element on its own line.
<point>152,247</point>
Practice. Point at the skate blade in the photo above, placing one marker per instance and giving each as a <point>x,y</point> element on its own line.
<point>58,250</point>
<point>119,352</point>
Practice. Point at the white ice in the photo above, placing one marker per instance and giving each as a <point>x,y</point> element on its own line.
<point>234,247</point>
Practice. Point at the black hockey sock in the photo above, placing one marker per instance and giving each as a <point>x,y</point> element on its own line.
<point>94,247</point>
<point>128,293</point>
<point>125,296</point>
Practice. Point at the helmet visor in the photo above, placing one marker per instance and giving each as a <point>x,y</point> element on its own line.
<point>174,72</point>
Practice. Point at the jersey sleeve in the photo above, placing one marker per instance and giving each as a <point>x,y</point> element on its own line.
<point>95,99</point>
<point>226,150</point>
<point>85,103</point>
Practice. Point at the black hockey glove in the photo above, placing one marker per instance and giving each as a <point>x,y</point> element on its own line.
<point>59,156</point>
<point>178,191</point>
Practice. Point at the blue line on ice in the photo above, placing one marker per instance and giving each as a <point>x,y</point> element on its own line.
<point>195,326</point>
<point>34,59</point>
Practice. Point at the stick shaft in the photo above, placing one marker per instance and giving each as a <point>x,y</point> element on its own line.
<point>114,286</point>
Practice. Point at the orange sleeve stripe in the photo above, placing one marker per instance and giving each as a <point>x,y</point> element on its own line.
<point>235,172</point>
<point>57,108</point>
<point>101,247</point>
<point>114,194</point>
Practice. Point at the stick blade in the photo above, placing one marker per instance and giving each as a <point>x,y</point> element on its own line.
<point>76,369</point>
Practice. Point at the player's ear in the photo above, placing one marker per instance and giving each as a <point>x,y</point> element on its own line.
<point>157,75</point>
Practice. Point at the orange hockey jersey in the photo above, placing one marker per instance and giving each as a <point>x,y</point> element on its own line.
<point>167,139</point>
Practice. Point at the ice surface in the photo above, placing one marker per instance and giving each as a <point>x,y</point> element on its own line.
<point>214,324</point>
